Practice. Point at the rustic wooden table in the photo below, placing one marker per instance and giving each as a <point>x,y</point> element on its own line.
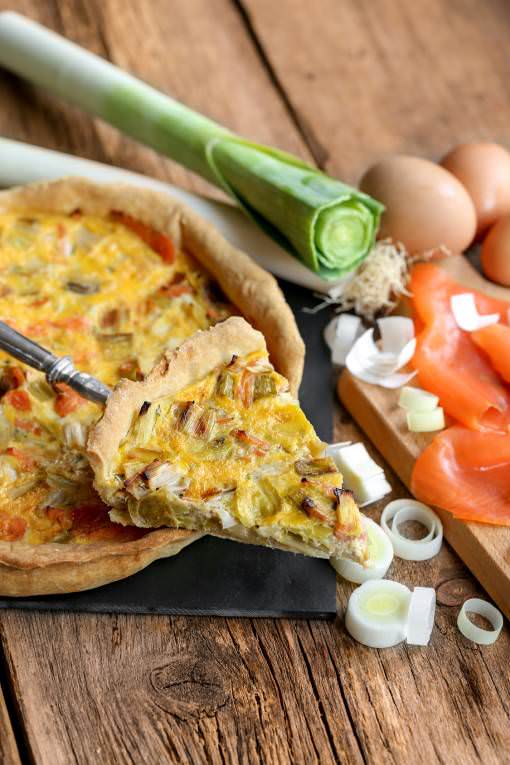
<point>340,83</point>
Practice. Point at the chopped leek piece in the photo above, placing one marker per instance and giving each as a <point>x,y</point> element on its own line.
<point>226,385</point>
<point>417,399</point>
<point>371,490</point>
<point>116,346</point>
<point>361,474</point>
<point>82,288</point>
<point>355,463</point>
<point>426,422</point>
<point>145,424</point>
<point>40,390</point>
<point>420,616</point>
<point>319,466</point>
<point>75,435</point>
<point>264,385</point>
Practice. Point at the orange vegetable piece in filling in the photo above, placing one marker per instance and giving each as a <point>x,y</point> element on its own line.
<point>19,399</point>
<point>12,528</point>
<point>156,241</point>
<point>57,515</point>
<point>25,460</point>
<point>28,426</point>
<point>12,378</point>
<point>67,400</point>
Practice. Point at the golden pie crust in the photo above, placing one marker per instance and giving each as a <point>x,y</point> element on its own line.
<point>57,568</point>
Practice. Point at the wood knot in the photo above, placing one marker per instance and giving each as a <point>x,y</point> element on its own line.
<point>189,688</point>
<point>455,591</point>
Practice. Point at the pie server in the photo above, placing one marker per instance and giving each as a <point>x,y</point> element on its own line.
<point>57,369</point>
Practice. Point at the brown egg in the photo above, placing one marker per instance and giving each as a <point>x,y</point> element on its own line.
<point>496,252</point>
<point>426,206</point>
<point>484,169</point>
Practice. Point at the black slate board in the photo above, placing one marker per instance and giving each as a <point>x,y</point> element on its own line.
<point>215,577</point>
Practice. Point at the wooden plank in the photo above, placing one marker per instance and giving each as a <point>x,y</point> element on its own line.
<point>484,549</point>
<point>367,78</point>
<point>9,754</point>
<point>124,689</point>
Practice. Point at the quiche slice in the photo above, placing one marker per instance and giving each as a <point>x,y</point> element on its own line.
<point>110,275</point>
<point>213,440</point>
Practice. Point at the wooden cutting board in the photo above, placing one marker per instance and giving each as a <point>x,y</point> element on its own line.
<point>484,549</point>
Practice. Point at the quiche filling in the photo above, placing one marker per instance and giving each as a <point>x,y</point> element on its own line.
<point>112,294</point>
<point>233,453</point>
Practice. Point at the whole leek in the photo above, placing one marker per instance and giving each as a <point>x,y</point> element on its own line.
<point>330,226</point>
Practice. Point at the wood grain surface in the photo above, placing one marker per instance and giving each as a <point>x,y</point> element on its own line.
<point>342,83</point>
<point>8,748</point>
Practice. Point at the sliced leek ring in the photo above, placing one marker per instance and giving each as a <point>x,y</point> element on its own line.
<point>412,549</point>
<point>380,552</point>
<point>382,613</point>
<point>414,514</point>
<point>376,614</point>
<point>470,630</point>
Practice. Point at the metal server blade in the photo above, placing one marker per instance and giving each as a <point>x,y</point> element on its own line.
<point>56,369</point>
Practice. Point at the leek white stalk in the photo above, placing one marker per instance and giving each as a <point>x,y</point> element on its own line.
<point>331,227</point>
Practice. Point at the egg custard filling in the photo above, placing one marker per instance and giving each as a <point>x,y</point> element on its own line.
<point>112,294</point>
<point>213,440</point>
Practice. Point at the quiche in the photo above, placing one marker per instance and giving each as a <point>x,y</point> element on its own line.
<point>214,440</point>
<point>112,276</point>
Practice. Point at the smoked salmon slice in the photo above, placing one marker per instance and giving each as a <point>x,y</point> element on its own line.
<point>495,341</point>
<point>449,362</point>
<point>467,473</point>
